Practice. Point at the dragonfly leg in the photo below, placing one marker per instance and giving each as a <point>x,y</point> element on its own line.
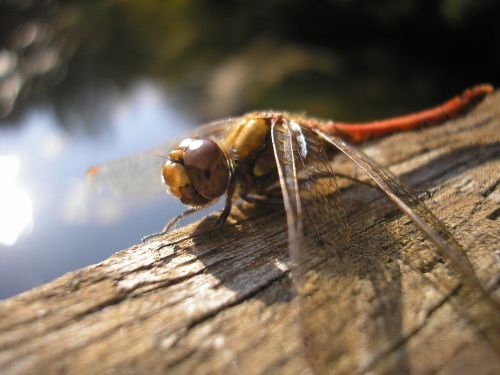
<point>150,237</point>
<point>178,218</point>
<point>229,203</point>
<point>169,225</point>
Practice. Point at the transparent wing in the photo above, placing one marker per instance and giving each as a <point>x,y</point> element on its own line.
<point>283,147</point>
<point>486,315</point>
<point>139,174</point>
<point>312,201</point>
<point>324,210</point>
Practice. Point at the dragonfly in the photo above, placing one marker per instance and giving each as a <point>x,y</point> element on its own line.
<point>285,158</point>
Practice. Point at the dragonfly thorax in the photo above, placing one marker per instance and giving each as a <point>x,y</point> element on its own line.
<point>250,146</point>
<point>197,172</point>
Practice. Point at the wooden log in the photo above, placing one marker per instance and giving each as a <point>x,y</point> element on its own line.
<point>222,302</point>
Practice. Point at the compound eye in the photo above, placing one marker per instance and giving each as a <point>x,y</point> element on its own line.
<point>207,168</point>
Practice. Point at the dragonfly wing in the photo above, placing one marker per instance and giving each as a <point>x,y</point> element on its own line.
<point>324,210</point>
<point>431,226</point>
<point>309,187</point>
<point>140,174</point>
<point>283,147</point>
<point>215,129</point>
<point>135,175</point>
<point>302,164</point>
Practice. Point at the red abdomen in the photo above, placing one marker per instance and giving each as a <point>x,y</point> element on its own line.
<point>359,132</point>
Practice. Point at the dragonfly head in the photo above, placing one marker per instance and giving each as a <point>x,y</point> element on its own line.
<point>196,172</point>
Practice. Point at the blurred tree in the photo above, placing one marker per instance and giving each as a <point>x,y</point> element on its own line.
<point>330,57</point>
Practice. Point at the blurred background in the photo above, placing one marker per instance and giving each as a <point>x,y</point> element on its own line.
<point>85,82</point>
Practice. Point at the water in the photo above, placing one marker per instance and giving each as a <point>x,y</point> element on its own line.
<point>50,221</point>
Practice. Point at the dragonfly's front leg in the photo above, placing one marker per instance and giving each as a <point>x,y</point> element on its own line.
<point>178,218</point>
<point>170,224</point>
<point>229,202</point>
<point>220,220</point>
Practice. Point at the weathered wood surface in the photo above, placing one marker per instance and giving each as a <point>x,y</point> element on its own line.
<point>222,302</point>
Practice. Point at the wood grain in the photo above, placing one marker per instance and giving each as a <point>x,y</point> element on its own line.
<point>222,302</point>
